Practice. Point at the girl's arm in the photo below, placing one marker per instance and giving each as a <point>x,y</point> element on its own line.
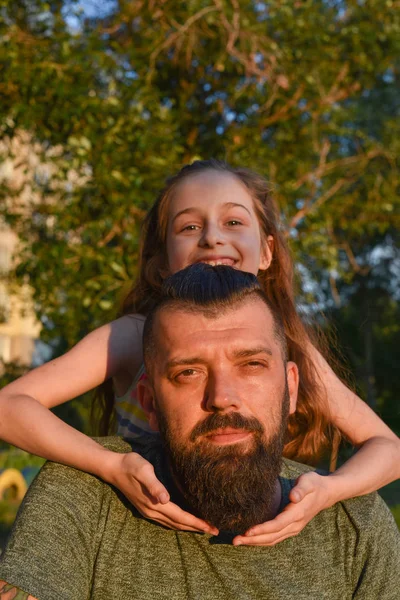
<point>376,464</point>
<point>25,418</point>
<point>26,421</point>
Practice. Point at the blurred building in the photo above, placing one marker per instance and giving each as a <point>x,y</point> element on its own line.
<point>18,327</point>
<point>28,170</point>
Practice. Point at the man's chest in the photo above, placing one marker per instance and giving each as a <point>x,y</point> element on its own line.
<point>152,563</point>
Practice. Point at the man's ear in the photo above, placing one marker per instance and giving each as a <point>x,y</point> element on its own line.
<point>146,397</point>
<point>292,374</point>
<point>267,249</point>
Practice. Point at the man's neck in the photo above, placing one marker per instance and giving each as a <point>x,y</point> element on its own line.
<point>276,502</point>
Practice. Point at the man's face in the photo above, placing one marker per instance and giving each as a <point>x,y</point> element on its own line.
<point>217,393</point>
<point>231,364</point>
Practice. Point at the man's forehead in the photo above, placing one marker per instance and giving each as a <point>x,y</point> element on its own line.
<point>248,323</point>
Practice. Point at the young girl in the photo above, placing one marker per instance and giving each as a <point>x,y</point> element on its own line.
<point>209,212</point>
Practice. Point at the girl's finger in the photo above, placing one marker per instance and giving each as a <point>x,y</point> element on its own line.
<point>263,540</point>
<point>156,492</point>
<point>174,517</point>
<point>289,515</point>
<point>269,539</point>
<point>152,486</point>
<point>296,494</point>
<point>304,486</point>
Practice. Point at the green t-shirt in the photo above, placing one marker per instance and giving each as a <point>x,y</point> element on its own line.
<point>77,538</point>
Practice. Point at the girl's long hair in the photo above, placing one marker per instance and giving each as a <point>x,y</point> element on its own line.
<point>310,430</point>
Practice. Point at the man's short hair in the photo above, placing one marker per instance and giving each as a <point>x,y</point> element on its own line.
<point>210,291</point>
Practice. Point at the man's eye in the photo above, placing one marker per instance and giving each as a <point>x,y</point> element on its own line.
<point>254,364</point>
<point>186,373</point>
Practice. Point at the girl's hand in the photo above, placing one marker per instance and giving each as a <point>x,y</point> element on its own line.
<point>310,495</point>
<point>135,478</point>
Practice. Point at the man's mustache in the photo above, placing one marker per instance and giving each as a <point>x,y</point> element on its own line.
<point>232,420</point>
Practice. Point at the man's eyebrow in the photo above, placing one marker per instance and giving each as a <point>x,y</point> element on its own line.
<point>240,353</point>
<point>194,209</point>
<point>248,352</point>
<point>191,360</point>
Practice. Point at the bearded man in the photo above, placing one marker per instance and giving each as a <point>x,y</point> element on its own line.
<point>219,392</point>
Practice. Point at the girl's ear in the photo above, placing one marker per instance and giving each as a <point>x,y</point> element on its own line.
<point>145,395</point>
<point>267,249</point>
<point>292,376</point>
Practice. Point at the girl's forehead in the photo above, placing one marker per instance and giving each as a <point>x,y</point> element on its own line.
<point>209,188</point>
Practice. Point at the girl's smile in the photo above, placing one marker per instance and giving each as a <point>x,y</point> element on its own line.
<point>217,260</point>
<point>212,219</point>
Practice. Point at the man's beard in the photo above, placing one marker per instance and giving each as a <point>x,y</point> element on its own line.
<point>230,486</point>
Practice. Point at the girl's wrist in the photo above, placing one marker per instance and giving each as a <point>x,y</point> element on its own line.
<point>337,488</point>
<point>106,464</point>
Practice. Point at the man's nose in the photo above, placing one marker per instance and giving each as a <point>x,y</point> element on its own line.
<point>221,394</point>
<point>211,236</point>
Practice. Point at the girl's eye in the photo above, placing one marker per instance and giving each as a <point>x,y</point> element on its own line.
<point>234,222</point>
<point>190,228</point>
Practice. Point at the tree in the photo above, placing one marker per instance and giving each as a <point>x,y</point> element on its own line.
<point>367,321</point>
<point>303,92</point>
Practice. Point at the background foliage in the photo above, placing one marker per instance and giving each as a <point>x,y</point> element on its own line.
<point>113,100</point>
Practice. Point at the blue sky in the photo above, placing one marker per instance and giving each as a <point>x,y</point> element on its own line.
<point>88,8</point>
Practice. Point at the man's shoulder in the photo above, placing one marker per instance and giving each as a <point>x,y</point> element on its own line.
<point>363,513</point>
<point>370,515</point>
<point>55,469</point>
<point>115,443</point>
<point>58,475</point>
<point>146,445</point>
<point>53,473</point>
<point>292,470</point>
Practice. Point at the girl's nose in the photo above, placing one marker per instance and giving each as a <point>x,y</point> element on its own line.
<point>211,236</point>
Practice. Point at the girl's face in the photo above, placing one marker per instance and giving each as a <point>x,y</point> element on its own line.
<point>212,220</point>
